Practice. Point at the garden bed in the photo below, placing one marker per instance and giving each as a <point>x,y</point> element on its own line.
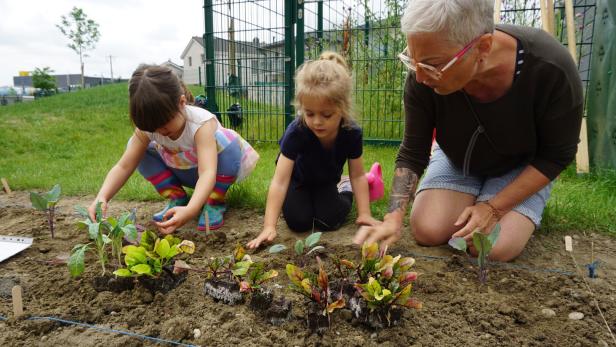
<point>513,308</point>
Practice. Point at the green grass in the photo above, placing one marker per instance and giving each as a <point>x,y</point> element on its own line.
<point>74,139</point>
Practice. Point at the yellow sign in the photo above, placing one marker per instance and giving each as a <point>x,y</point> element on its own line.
<point>24,73</point>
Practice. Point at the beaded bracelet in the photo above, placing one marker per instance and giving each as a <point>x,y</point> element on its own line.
<point>495,212</point>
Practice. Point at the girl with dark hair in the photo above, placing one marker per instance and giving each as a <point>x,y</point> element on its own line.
<point>177,145</point>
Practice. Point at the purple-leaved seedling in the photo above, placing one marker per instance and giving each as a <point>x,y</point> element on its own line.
<point>46,202</point>
<point>483,244</point>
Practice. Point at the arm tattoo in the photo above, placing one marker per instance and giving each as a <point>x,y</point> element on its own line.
<point>402,190</point>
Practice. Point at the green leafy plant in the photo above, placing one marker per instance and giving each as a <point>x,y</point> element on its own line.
<point>97,235</point>
<point>389,279</point>
<point>152,254</point>
<point>303,248</point>
<point>483,244</point>
<point>46,202</point>
<point>255,277</point>
<point>314,287</point>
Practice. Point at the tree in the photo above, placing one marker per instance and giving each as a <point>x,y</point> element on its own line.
<point>82,32</point>
<point>42,79</point>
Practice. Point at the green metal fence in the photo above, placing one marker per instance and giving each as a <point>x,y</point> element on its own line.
<point>254,46</point>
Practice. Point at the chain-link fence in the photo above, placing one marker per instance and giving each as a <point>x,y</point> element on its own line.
<point>254,46</point>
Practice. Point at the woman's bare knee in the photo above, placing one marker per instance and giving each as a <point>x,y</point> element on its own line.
<point>428,235</point>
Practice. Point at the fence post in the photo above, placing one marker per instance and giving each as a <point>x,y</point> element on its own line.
<point>289,60</point>
<point>320,25</point>
<point>300,37</point>
<point>210,72</point>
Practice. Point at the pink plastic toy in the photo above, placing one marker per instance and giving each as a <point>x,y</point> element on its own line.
<point>375,182</point>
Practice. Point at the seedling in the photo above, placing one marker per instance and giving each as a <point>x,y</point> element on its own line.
<point>483,244</point>
<point>303,248</point>
<point>315,288</point>
<point>46,202</point>
<point>256,277</point>
<point>224,275</point>
<point>96,234</point>
<point>152,255</point>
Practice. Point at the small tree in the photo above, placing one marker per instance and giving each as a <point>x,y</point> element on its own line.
<point>42,79</point>
<point>82,32</point>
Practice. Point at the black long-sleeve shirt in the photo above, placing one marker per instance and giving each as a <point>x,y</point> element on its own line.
<point>536,122</point>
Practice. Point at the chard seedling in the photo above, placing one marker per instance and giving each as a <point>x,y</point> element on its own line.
<point>46,202</point>
<point>314,287</point>
<point>389,279</point>
<point>483,244</point>
<point>152,254</point>
<point>255,278</point>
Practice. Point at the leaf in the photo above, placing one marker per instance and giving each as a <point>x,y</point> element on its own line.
<point>403,295</point>
<point>268,275</point>
<point>481,243</point>
<point>82,211</point>
<point>313,239</point>
<point>93,230</point>
<point>142,269</point>
<point>187,247</point>
<point>277,248</point>
<point>148,238</point>
<point>316,248</point>
<point>412,303</point>
<point>172,240</point>
<point>347,263</point>
<point>322,278</point>
<point>336,304</point>
<point>180,266</point>
<point>130,232</point>
<point>157,267</point>
<point>295,274</point>
<point>123,272</point>
<point>244,287</point>
<point>239,252</point>
<point>38,202</point>
<point>241,268</point>
<point>76,264</point>
<point>299,247</point>
<point>99,211</point>
<point>306,286</point>
<point>493,237</point>
<point>369,251</point>
<point>162,248</point>
<point>106,239</point>
<point>53,195</point>
<point>458,243</point>
<point>380,296</point>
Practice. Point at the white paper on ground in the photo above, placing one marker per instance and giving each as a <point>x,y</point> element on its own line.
<point>11,245</point>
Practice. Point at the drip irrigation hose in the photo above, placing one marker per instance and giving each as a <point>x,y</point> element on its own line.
<point>107,330</point>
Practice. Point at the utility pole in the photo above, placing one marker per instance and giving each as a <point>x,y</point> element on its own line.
<point>111,66</point>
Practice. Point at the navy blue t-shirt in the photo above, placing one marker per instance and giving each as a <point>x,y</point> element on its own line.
<point>315,165</point>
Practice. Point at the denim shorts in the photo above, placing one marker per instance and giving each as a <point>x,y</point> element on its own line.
<point>442,174</point>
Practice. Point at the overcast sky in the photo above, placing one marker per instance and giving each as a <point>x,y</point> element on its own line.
<point>132,31</point>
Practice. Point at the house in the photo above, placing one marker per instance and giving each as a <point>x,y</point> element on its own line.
<point>64,82</point>
<point>179,70</point>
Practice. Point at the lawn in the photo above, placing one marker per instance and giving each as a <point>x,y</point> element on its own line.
<point>74,139</point>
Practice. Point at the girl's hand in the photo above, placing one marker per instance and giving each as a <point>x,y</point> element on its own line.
<point>480,216</point>
<point>387,233</point>
<point>173,219</point>
<point>92,208</point>
<point>267,235</point>
<point>367,220</point>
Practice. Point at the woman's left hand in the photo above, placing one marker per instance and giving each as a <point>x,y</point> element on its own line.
<point>480,216</point>
<point>367,220</point>
<point>173,219</point>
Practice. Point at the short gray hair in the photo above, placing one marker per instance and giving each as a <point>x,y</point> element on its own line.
<point>459,20</point>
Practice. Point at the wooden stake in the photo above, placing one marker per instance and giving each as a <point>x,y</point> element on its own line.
<point>568,244</point>
<point>207,222</point>
<point>18,307</point>
<point>550,8</point>
<point>497,11</point>
<point>582,161</point>
<point>545,22</point>
<point>5,184</point>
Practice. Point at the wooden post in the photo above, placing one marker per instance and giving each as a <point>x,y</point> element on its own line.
<point>550,7</point>
<point>545,16</point>
<point>497,10</point>
<point>5,184</point>
<point>582,161</point>
<point>18,307</point>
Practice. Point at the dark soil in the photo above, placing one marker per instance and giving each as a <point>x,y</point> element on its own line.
<point>457,310</point>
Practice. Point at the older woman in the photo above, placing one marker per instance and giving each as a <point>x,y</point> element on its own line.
<point>506,103</point>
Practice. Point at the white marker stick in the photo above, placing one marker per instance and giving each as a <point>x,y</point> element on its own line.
<point>568,244</point>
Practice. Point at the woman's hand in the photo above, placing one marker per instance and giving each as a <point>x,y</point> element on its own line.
<point>92,208</point>
<point>266,236</point>
<point>387,232</point>
<point>480,216</point>
<point>367,220</point>
<point>174,218</point>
